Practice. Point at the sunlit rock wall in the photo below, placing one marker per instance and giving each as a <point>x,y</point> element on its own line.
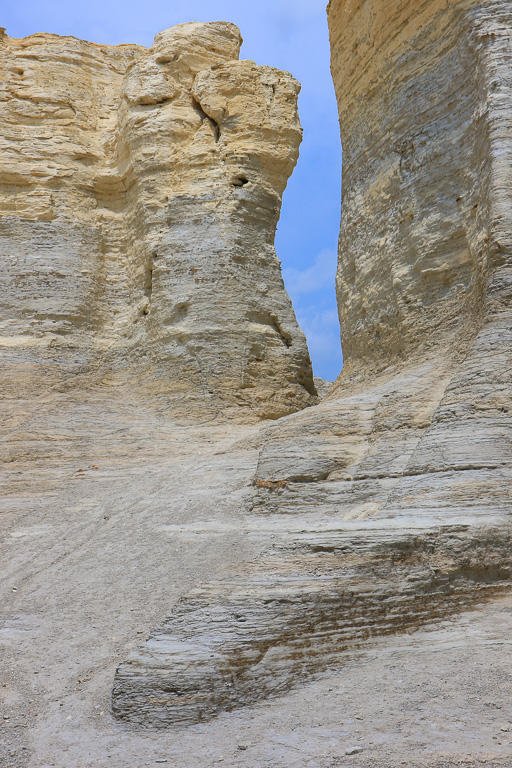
<point>425,266</point>
<point>139,195</point>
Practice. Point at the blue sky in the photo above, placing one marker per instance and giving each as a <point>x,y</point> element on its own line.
<point>288,34</point>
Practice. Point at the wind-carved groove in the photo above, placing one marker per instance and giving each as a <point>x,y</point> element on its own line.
<point>178,312</point>
<point>202,114</point>
<point>285,336</point>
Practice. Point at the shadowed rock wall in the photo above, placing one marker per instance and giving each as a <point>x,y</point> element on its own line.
<point>415,243</point>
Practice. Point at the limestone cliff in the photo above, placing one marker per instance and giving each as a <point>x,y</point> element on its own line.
<point>139,195</point>
<point>388,504</point>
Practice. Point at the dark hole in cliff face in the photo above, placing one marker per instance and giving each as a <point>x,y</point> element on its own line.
<point>240,181</point>
<point>148,283</point>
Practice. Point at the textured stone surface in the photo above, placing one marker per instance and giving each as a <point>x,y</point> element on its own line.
<point>423,90</point>
<point>276,551</point>
<point>139,194</point>
<point>389,504</point>
<point>92,559</point>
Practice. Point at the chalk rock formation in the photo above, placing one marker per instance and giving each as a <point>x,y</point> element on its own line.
<point>139,195</point>
<point>388,504</point>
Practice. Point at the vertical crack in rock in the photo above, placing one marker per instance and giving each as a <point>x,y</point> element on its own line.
<point>200,111</point>
<point>148,287</point>
<point>389,504</point>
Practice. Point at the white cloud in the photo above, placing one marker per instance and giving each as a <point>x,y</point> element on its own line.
<point>320,276</point>
<point>322,331</point>
<point>312,291</point>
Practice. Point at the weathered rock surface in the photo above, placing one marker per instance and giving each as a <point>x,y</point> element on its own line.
<point>93,558</point>
<point>139,194</point>
<point>389,504</point>
<point>322,386</point>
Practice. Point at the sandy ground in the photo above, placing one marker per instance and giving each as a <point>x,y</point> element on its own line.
<point>95,553</point>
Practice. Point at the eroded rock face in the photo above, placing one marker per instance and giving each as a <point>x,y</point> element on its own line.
<point>428,277</point>
<point>139,194</point>
<point>423,90</point>
<point>388,504</point>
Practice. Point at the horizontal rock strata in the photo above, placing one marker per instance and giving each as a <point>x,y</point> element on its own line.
<point>139,195</point>
<point>359,543</point>
<point>389,504</point>
<point>302,607</point>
